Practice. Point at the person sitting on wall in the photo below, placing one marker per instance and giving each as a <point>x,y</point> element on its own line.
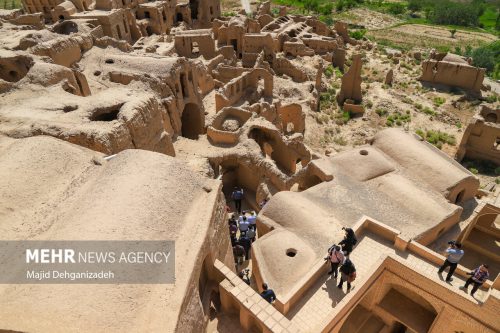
<point>348,242</point>
<point>268,294</point>
<point>347,274</point>
<point>478,277</point>
<point>453,254</point>
<point>237,196</point>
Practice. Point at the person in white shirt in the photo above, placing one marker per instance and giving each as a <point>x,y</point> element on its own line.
<point>453,255</point>
<point>337,258</point>
<point>252,219</point>
<point>244,224</point>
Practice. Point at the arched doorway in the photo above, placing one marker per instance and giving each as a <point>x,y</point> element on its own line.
<point>460,197</point>
<point>192,121</point>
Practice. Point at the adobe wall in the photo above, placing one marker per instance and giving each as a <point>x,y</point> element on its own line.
<point>255,313</point>
<point>114,24</point>
<point>156,17</point>
<point>454,312</point>
<point>47,75</point>
<point>283,66</point>
<point>185,43</point>
<point>292,114</point>
<point>297,49</point>
<point>255,43</point>
<point>40,6</point>
<point>235,89</point>
<point>217,132</point>
<point>321,46</point>
<point>208,10</point>
<point>36,20</point>
<point>64,51</point>
<point>482,222</point>
<point>194,312</point>
<point>453,74</point>
<point>480,141</point>
<point>231,36</point>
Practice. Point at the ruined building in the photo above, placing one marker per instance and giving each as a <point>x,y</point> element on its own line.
<point>452,70</point>
<point>481,139</point>
<point>135,120</point>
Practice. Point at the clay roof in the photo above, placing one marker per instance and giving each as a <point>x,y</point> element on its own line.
<point>137,195</point>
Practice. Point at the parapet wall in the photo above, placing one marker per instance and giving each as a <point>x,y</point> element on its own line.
<point>254,312</point>
<point>236,88</point>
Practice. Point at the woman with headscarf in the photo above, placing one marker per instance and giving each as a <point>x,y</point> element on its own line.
<point>349,241</point>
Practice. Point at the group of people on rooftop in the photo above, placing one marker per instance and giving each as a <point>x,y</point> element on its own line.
<point>478,276</point>
<point>338,256</point>
<point>243,229</point>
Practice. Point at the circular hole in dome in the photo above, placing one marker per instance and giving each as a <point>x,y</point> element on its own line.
<point>291,252</point>
<point>109,61</point>
<point>363,152</point>
<point>97,73</point>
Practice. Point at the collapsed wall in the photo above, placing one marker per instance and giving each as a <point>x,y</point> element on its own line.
<point>481,139</point>
<point>453,71</point>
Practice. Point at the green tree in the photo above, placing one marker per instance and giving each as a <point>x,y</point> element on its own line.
<point>311,5</point>
<point>414,5</point>
<point>453,32</point>
<point>455,13</point>
<point>497,23</point>
<point>487,56</point>
<point>396,8</point>
<point>327,9</point>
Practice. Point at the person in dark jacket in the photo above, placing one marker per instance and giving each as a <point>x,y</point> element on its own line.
<point>478,277</point>
<point>239,253</point>
<point>347,274</point>
<point>349,241</point>
<point>237,197</point>
<point>268,294</point>
<point>247,244</point>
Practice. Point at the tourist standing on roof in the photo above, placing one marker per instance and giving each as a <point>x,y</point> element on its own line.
<point>349,241</point>
<point>347,274</point>
<point>453,254</point>
<point>336,257</point>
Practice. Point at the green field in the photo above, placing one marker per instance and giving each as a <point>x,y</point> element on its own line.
<point>487,21</point>
<point>10,4</point>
